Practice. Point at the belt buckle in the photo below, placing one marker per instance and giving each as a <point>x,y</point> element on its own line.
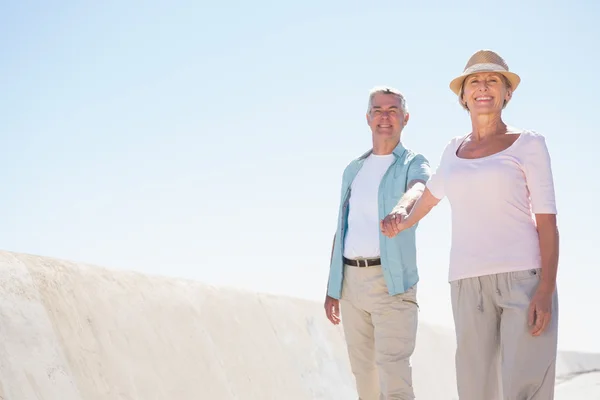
<point>358,261</point>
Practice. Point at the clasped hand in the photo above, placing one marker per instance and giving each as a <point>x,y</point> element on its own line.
<point>392,224</point>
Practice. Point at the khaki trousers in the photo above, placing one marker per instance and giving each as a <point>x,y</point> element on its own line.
<point>496,357</point>
<point>380,332</point>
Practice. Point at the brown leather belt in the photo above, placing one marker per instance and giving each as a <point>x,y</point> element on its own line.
<point>368,262</point>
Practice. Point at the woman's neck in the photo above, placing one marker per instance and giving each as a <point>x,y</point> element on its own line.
<point>486,126</point>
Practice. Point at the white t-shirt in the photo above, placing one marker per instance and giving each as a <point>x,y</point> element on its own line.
<point>493,201</point>
<point>362,237</point>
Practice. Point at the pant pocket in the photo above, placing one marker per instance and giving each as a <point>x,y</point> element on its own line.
<point>524,274</point>
<point>411,302</point>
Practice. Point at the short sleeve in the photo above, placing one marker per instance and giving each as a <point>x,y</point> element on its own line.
<point>436,184</point>
<point>419,169</point>
<point>537,166</point>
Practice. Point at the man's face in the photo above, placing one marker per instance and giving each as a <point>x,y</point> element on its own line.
<point>385,117</point>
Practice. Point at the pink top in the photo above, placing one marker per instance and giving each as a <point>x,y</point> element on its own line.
<point>493,201</point>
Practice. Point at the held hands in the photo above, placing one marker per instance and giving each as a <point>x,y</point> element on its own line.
<point>393,224</point>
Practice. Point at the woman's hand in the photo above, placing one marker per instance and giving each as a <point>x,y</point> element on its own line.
<point>540,311</point>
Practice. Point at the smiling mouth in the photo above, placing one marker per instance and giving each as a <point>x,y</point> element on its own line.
<point>483,98</point>
<point>385,126</point>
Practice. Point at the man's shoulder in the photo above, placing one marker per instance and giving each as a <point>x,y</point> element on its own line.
<point>413,155</point>
<point>416,165</point>
<point>355,162</point>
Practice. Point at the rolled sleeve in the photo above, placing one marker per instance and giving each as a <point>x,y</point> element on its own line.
<point>436,185</point>
<point>538,172</point>
<point>419,169</point>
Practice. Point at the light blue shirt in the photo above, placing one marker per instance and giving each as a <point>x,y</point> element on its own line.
<point>398,254</point>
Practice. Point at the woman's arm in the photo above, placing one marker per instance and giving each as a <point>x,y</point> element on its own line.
<point>421,208</point>
<point>538,172</point>
<point>402,218</point>
<point>540,308</point>
<point>549,239</point>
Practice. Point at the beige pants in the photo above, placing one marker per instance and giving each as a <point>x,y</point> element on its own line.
<point>380,333</point>
<point>496,356</point>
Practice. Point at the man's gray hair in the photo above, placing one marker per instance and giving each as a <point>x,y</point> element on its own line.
<point>388,90</point>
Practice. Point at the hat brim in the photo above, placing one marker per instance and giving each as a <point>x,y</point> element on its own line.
<point>457,82</point>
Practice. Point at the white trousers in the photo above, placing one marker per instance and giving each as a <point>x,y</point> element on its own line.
<point>496,357</point>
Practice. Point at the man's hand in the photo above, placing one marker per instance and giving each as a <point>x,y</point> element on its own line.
<point>392,224</point>
<point>332,309</point>
<point>540,311</point>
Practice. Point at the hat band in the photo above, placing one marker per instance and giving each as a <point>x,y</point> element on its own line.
<point>484,67</point>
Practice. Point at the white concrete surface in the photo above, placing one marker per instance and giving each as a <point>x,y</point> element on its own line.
<point>78,332</point>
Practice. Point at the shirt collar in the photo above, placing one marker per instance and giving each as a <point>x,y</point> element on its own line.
<point>398,151</point>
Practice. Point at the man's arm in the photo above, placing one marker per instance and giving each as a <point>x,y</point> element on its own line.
<point>332,248</point>
<point>332,306</point>
<point>418,174</point>
<point>390,224</point>
<point>420,209</point>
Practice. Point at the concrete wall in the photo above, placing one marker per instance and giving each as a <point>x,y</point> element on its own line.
<point>72,332</point>
<point>77,332</point>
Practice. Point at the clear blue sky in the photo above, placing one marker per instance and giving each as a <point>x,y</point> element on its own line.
<point>207,141</point>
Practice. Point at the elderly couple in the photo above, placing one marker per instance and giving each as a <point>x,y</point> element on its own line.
<point>504,248</point>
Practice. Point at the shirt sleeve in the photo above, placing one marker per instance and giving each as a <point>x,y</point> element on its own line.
<point>538,173</point>
<point>419,169</point>
<point>436,184</point>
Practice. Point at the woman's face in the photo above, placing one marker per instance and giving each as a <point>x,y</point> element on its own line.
<point>485,93</point>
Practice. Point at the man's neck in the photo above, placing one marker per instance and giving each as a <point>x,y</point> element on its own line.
<point>385,147</point>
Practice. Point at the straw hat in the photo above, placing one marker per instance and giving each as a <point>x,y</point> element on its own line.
<point>485,61</point>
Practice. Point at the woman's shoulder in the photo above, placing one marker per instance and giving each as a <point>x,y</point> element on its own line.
<point>526,134</point>
<point>452,145</point>
<point>455,141</point>
<point>529,141</point>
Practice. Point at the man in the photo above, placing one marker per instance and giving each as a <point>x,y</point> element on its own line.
<point>373,268</point>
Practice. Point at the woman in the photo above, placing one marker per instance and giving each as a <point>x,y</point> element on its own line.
<point>504,252</point>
